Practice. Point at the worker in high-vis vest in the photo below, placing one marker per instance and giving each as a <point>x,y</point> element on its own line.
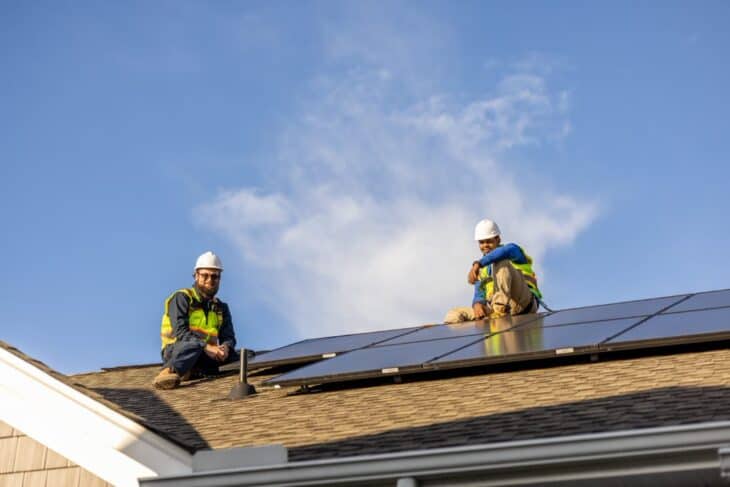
<point>504,280</point>
<point>197,330</point>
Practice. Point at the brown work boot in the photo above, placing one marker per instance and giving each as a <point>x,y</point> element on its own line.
<point>515,308</point>
<point>500,306</point>
<point>191,374</point>
<point>498,312</point>
<point>167,379</point>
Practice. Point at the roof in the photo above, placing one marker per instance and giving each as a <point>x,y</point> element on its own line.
<point>69,381</point>
<point>674,386</point>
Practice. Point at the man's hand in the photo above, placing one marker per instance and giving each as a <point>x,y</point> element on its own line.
<point>474,273</point>
<point>212,351</point>
<point>480,311</point>
<point>223,352</point>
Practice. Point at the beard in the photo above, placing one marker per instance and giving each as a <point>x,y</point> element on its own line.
<point>209,290</point>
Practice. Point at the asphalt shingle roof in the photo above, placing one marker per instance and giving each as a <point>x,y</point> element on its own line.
<point>169,433</point>
<point>682,386</point>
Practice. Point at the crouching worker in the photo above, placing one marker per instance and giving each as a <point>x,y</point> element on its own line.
<point>197,332</point>
<point>503,279</point>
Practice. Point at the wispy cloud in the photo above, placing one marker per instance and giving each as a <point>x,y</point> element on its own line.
<point>370,223</point>
<point>693,39</point>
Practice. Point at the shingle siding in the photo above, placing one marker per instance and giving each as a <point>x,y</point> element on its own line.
<point>25,462</point>
<point>35,479</point>
<point>8,449</point>
<point>6,430</point>
<point>11,480</point>
<point>30,456</point>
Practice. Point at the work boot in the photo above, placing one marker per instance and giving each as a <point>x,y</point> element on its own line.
<point>500,305</point>
<point>191,374</point>
<point>498,312</point>
<point>459,315</point>
<point>167,379</point>
<point>515,308</point>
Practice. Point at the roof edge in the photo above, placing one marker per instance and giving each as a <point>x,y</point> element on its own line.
<point>105,442</point>
<point>690,449</point>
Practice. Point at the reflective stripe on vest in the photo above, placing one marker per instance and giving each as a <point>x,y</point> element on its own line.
<point>487,282</point>
<point>205,327</point>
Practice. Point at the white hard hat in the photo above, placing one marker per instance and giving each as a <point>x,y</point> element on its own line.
<point>486,229</point>
<point>208,260</point>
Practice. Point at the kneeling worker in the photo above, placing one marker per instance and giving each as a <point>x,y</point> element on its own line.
<point>197,331</point>
<point>503,279</point>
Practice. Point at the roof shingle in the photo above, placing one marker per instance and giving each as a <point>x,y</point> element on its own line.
<point>511,403</point>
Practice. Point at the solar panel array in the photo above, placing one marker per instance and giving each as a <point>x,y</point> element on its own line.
<point>327,347</point>
<point>646,323</point>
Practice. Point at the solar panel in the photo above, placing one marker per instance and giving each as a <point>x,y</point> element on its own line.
<point>318,348</point>
<point>684,318</point>
<point>481,327</point>
<point>613,311</point>
<point>404,358</point>
<point>714,299</point>
<point>372,362</point>
<point>674,328</point>
<point>535,340</point>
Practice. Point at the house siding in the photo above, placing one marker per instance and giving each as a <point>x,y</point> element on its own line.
<point>25,462</point>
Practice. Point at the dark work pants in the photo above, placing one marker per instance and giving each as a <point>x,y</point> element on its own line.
<point>183,356</point>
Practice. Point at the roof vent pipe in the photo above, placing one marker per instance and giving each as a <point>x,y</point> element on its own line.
<point>242,387</point>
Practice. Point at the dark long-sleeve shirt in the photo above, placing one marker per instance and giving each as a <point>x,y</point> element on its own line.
<point>179,311</point>
<point>508,251</point>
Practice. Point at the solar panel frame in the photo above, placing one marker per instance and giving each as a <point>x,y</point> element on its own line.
<point>620,342</point>
<point>573,348</point>
<point>631,314</point>
<point>313,374</point>
<point>279,356</point>
<point>265,360</point>
<point>611,310</point>
<point>694,302</point>
<point>381,358</point>
<point>469,328</point>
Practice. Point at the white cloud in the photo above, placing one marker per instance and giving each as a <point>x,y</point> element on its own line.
<point>370,225</point>
<point>403,41</point>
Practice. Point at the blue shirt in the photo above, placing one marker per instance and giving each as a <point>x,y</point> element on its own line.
<point>508,251</point>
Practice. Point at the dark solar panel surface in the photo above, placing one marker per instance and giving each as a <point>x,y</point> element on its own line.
<point>714,299</point>
<point>534,339</point>
<point>371,361</point>
<point>611,311</point>
<point>463,329</point>
<point>316,347</point>
<point>672,326</point>
<point>632,324</point>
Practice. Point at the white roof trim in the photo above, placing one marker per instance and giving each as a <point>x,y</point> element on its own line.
<point>683,450</point>
<point>239,457</point>
<point>90,434</point>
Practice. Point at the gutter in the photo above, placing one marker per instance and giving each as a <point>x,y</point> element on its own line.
<point>689,450</point>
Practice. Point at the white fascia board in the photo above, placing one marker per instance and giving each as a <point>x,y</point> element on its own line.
<point>623,454</point>
<point>90,434</point>
<point>237,457</point>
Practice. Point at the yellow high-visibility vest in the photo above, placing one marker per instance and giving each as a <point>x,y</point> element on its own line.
<point>205,326</point>
<point>487,282</point>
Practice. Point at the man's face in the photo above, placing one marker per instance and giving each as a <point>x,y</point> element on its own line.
<point>208,280</point>
<point>488,244</point>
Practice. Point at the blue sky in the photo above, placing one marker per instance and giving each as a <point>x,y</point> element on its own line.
<point>336,155</point>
